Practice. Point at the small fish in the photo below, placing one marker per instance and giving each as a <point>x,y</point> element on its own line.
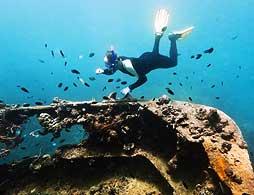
<point>62,141</point>
<point>46,45</point>
<point>25,157</point>
<point>142,97</point>
<point>237,76</point>
<point>39,103</point>
<point>198,56</point>
<point>24,89</point>
<point>118,80</point>
<point>217,98</point>
<point>67,130</point>
<point>153,99</point>
<point>240,67</point>
<point>110,80</point>
<point>42,88</point>
<point>222,83</point>
<point>86,84</point>
<point>104,88</point>
<point>92,78</point>
<point>75,85</point>
<point>117,87</point>
<point>105,98</point>
<point>65,63</point>
<point>181,84</point>
<point>209,51</point>
<point>22,148</point>
<point>26,105</point>
<point>202,80</point>
<point>91,54</point>
<point>41,61</point>
<point>60,85</point>
<point>170,91</point>
<point>124,82</point>
<point>52,53</point>
<point>174,73</point>
<point>212,86</point>
<point>192,57</point>
<point>169,83</point>
<point>234,37</point>
<point>51,73</point>
<point>209,65</point>
<point>190,87</point>
<point>74,71</point>
<point>81,80</point>
<point>190,99</point>
<point>66,88</point>
<point>30,97</point>
<point>62,54</point>
<point>186,77</point>
<point>193,72</point>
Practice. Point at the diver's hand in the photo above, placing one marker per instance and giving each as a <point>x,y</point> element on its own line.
<point>125,91</point>
<point>99,71</point>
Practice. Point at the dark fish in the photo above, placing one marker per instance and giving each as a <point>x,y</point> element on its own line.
<point>42,89</point>
<point>91,55</point>
<point>74,71</point>
<point>46,45</point>
<point>193,72</point>
<point>86,84</point>
<point>118,80</point>
<point>181,84</point>
<point>75,85</point>
<point>185,185</point>
<point>212,86</point>
<point>174,73</point>
<point>190,99</point>
<point>124,82</point>
<point>67,130</point>
<point>18,86</point>
<point>1,101</point>
<point>153,99</point>
<point>65,63</point>
<point>142,97</point>
<point>209,65</point>
<point>26,105</point>
<point>22,148</point>
<point>210,50</point>
<point>92,78</point>
<point>117,87</point>
<point>62,141</point>
<point>190,87</point>
<point>66,88</point>
<point>192,57</point>
<point>39,103</point>
<point>41,61</point>
<point>62,54</point>
<point>105,98</point>
<point>24,89</point>
<point>187,77</point>
<point>110,80</point>
<point>234,37</point>
<point>104,88</point>
<point>52,53</point>
<point>25,157</point>
<point>217,98</point>
<point>60,85</point>
<point>240,67</point>
<point>170,83</point>
<point>222,83</point>
<point>51,73</point>
<point>30,97</point>
<point>198,56</point>
<point>202,80</point>
<point>237,76</point>
<point>170,91</point>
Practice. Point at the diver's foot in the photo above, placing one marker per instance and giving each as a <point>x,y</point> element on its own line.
<point>161,33</point>
<point>180,34</point>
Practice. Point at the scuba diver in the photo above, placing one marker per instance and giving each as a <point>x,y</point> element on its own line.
<point>148,61</point>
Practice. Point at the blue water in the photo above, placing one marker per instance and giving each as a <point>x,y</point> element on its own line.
<point>79,27</point>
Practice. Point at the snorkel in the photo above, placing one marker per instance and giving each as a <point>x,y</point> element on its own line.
<point>110,59</point>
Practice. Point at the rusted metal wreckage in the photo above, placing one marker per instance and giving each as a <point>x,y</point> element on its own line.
<point>147,147</point>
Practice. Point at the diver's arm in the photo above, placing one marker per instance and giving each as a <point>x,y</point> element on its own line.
<point>105,71</point>
<point>141,80</point>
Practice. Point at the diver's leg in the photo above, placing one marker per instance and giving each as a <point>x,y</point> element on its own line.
<point>173,52</point>
<point>156,44</point>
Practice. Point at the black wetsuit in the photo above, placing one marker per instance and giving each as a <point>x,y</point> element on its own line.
<point>147,62</point>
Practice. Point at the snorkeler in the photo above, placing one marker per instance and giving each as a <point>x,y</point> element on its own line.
<point>148,61</point>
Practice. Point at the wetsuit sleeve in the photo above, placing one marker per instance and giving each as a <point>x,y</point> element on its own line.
<point>141,80</point>
<point>109,71</point>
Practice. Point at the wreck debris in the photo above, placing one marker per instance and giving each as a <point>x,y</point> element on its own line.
<point>169,137</point>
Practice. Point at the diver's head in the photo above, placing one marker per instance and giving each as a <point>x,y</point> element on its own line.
<point>110,58</point>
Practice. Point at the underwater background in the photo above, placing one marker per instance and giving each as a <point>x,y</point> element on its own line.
<point>32,29</point>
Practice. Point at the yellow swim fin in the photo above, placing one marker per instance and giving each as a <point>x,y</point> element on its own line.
<point>161,21</point>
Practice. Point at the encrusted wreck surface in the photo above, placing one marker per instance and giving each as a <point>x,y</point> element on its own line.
<point>150,147</point>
